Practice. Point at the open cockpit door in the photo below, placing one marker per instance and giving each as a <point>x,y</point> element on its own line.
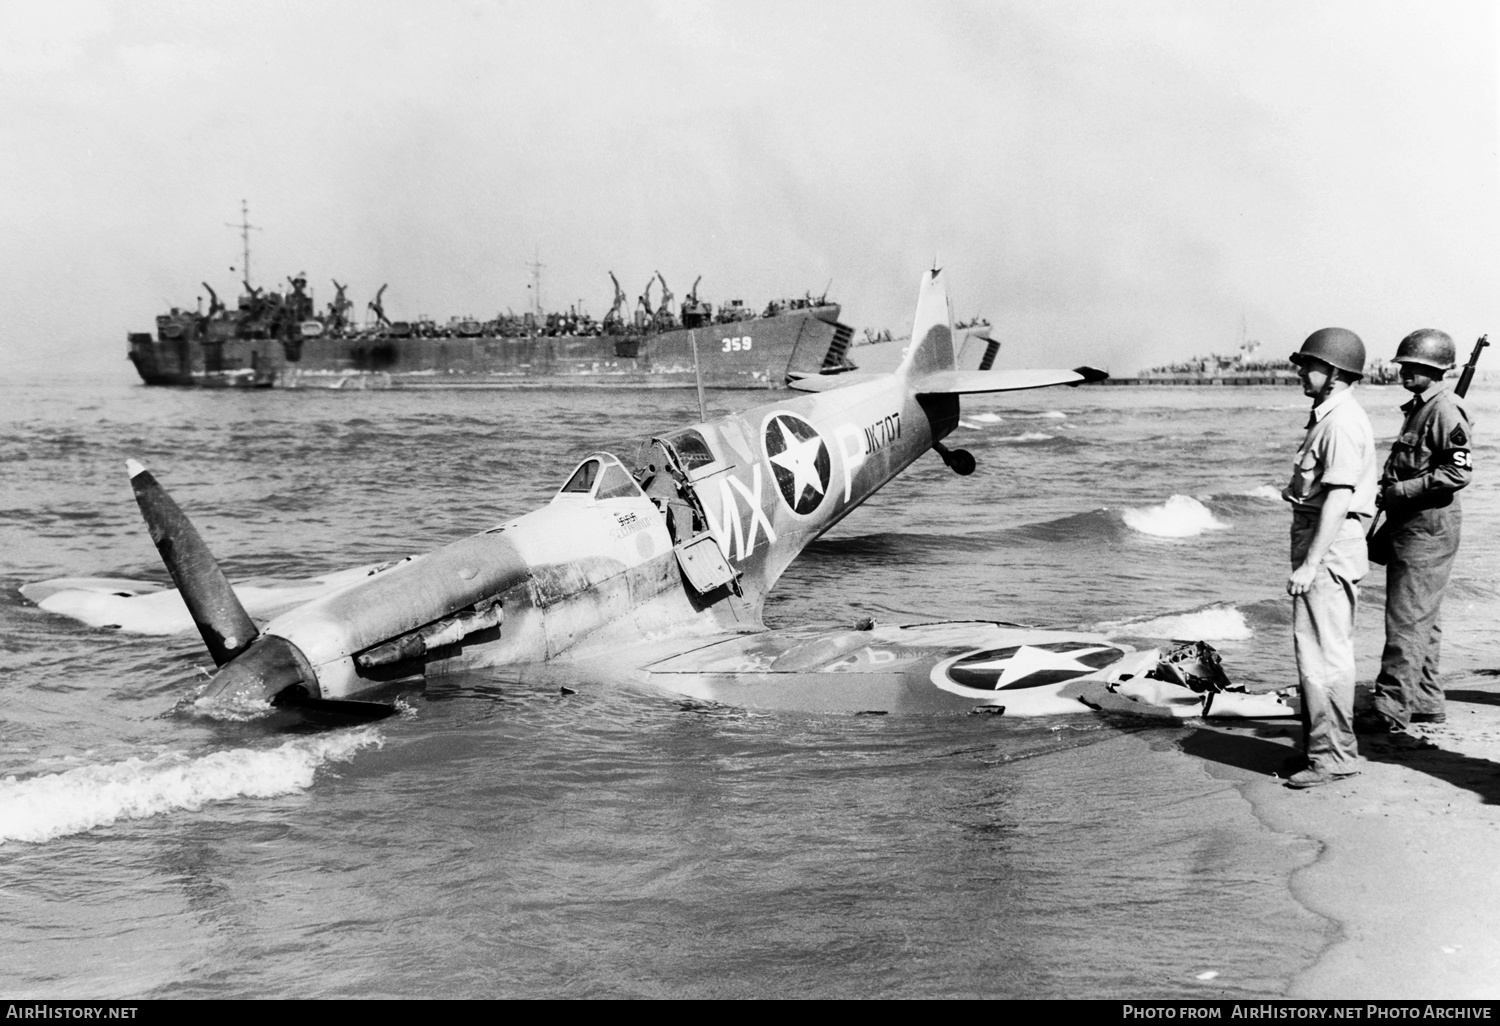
<point>704,564</point>
<point>666,477</point>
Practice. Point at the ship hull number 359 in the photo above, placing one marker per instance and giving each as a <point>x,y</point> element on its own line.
<point>738,344</point>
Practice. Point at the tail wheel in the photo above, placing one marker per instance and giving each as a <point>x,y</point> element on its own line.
<point>960,461</point>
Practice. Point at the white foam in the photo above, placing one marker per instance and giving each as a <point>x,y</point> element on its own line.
<point>1215,623</point>
<point>139,607</point>
<point>55,804</point>
<point>1026,436</point>
<point>1181,516</point>
<point>1268,492</point>
<point>988,418</point>
<point>231,709</point>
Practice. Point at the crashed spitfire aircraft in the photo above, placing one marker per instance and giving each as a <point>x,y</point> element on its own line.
<point>659,571</point>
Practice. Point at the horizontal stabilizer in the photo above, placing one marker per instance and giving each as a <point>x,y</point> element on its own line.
<point>828,382</point>
<point>965,382</point>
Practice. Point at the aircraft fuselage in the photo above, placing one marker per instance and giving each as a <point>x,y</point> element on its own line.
<point>598,566</point>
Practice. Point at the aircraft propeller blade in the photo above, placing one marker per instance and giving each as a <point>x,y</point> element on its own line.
<point>226,628</point>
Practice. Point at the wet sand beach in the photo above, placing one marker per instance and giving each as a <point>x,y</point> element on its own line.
<point>1410,866</point>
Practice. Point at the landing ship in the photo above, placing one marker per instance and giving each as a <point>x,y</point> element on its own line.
<point>274,339</point>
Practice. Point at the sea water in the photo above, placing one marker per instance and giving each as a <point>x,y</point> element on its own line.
<point>501,838</point>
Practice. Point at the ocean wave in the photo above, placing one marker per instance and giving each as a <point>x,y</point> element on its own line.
<point>53,805</point>
<point>1270,613</point>
<point>1027,436</point>
<point>1213,623</point>
<point>1253,502</point>
<point>1043,415</point>
<point>1097,523</point>
<point>896,545</point>
<point>980,421</point>
<point>1181,516</point>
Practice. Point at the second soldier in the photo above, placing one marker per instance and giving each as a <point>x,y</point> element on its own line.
<point>1428,465</point>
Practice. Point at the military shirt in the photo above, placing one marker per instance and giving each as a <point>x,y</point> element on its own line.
<point>1338,451</point>
<point>1430,459</point>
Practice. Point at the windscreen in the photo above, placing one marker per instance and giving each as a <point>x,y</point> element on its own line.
<point>583,478</point>
<point>616,484</point>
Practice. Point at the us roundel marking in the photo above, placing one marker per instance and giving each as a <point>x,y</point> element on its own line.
<point>1018,667</point>
<point>799,461</point>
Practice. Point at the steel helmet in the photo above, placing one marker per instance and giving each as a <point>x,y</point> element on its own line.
<point>1429,347</point>
<point>1338,347</point>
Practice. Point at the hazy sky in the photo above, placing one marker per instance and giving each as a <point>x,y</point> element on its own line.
<point>1112,182</point>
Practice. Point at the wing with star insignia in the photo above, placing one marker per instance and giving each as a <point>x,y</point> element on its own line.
<point>952,666</point>
<point>933,667</point>
<point>1015,667</point>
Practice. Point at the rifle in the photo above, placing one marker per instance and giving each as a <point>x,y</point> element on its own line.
<point>1377,539</point>
<point>1467,377</point>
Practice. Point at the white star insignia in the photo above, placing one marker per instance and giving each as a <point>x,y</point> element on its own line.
<point>1027,660</point>
<point>800,459</point>
<point>1024,662</point>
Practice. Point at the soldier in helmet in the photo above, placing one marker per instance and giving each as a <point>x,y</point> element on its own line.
<point>1429,463</point>
<point>1332,493</point>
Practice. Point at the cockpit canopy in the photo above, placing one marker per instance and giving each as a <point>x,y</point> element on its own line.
<point>600,476</point>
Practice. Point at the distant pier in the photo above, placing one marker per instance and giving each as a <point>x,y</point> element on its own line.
<point>1236,379</point>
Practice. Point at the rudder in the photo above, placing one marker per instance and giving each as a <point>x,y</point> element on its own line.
<point>932,329</point>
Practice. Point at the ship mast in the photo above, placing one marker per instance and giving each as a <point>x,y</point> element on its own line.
<point>245,228</point>
<point>536,266</point>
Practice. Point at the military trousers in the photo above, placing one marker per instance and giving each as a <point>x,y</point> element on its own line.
<point>1423,545</point>
<point>1323,637</point>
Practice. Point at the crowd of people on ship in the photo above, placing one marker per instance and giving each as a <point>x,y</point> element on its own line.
<point>261,313</point>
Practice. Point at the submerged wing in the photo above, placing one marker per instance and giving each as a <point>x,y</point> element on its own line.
<point>948,667</point>
<point>140,607</point>
<point>934,667</point>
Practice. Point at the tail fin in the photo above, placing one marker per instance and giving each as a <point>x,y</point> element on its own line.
<point>930,367</point>
<point>931,347</point>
